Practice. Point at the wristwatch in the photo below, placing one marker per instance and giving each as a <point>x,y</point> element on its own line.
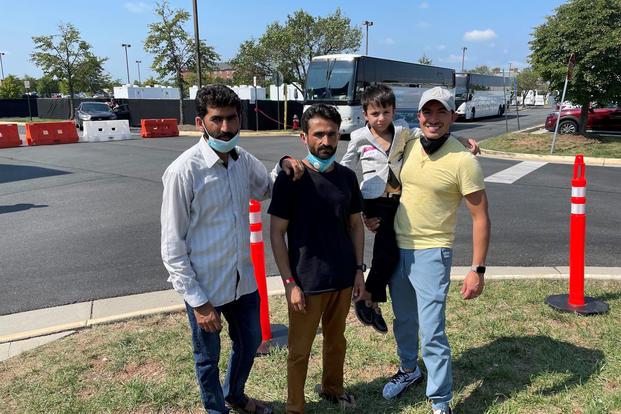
<point>478,269</point>
<point>362,267</point>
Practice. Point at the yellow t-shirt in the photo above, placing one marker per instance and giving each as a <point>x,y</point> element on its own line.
<point>432,189</point>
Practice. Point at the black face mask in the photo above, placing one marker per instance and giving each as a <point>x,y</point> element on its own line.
<point>432,145</point>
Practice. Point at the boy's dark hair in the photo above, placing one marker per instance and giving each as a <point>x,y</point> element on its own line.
<point>379,95</point>
<point>216,96</point>
<point>323,111</point>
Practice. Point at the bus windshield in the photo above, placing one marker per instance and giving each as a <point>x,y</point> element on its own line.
<point>329,80</point>
<point>461,85</point>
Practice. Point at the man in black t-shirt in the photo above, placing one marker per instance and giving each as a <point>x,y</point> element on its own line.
<point>321,261</point>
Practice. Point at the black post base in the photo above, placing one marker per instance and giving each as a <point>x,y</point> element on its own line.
<point>591,306</point>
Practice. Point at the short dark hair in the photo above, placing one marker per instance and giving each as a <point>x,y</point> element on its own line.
<point>380,95</point>
<point>320,110</point>
<point>216,96</point>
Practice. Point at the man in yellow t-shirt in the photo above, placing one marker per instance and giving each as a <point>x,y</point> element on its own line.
<point>437,173</point>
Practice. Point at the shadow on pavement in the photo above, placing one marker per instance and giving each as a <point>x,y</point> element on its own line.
<point>10,173</point>
<point>19,207</point>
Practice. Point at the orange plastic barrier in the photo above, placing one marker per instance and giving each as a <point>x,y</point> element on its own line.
<point>48,133</point>
<point>257,255</point>
<point>9,136</point>
<point>158,128</point>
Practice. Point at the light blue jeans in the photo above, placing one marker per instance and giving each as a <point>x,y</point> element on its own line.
<point>418,289</point>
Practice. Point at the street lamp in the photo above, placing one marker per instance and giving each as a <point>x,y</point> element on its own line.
<point>198,46</point>
<point>1,67</point>
<point>138,62</point>
<point>126,45</point>
<point>367,23</point>
<point>463,56</point>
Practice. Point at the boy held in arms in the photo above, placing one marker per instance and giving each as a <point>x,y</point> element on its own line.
<point>378,147</point>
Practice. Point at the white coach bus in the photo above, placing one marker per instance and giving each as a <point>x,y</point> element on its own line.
<point>339,80</point>
<point>479,95</point>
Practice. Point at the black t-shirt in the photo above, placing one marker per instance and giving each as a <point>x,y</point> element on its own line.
<point>318,207</point>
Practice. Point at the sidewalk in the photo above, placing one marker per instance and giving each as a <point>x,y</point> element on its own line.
<point>27,330</point>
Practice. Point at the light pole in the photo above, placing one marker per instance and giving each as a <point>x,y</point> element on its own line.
<point>138,62</point>
<point>126,45</point>
<point>463,57</point>
<point>367,23</point>
<point>198,46</point>
<point>1,67</point>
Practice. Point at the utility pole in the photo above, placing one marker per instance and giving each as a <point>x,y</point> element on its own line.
<point>463,57</point>
<point>1,67</point>
<point>126,45</point>
<point>367,23</point>
<point>138,62</point>
<point>198,46</point>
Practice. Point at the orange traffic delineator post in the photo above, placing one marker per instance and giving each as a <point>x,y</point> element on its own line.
<point>159,128</point>
<point>50,133</point>
<point>575,301</point>
<point>9,136</point>
<point>257,254</point>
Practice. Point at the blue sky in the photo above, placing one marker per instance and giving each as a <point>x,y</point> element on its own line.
<point>495,33</point>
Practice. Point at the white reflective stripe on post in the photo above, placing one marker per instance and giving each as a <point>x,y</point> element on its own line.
<point>578,191</point>
<point>256,236</point>
<point>578,208</point>
<point>255,218</point>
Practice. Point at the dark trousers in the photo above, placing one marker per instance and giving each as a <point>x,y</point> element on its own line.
<point>242,316</point>
<point>385,249</point>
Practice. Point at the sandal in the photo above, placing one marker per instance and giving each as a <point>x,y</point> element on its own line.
<point>251,406</point>
<point>345,401</point>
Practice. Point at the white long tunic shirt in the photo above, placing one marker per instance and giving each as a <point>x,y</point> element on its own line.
<point>205,227</point>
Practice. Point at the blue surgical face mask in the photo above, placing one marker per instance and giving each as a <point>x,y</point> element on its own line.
<point>318,163</point>
<point>220,145</point>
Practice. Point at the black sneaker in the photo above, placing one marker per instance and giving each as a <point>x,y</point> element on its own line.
<point>379,324</point>
<point>364,313</point>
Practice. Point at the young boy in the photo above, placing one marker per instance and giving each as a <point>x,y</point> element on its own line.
<point>378,147</point>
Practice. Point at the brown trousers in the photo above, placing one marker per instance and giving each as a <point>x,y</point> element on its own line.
<point>332,309</point>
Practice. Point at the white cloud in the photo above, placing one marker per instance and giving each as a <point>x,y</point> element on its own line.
<point>424,5</point>
<point>423,24</point>
<point>137,6</point>
<point>480,35</point>
<point>441,47</point>
<point>454,58</point>
<point>388,41</point>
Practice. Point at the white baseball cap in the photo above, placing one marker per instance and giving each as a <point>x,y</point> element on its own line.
<point>440,94</point>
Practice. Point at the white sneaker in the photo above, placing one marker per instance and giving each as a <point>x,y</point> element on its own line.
<point>439,411</point>
<point>400,382</point>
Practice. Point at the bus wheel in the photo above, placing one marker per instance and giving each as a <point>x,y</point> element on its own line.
<point>500,111</point>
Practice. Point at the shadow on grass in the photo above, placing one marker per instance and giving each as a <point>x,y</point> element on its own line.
<point>509,365</point>
<point>492,373</point>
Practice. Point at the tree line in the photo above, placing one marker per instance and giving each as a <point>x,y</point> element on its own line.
<point>589,29</point>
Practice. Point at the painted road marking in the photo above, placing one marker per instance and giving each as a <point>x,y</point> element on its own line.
<point>514,173</point>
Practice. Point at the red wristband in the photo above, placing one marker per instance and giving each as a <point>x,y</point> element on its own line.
<point>289,280</point>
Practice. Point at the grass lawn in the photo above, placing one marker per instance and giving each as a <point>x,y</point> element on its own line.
<point>511,353</point>
<point>590,146</point>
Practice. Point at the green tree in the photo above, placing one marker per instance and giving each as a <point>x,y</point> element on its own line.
<point>528,79</point>
<point>289,48</point>
<point>47,85</point>
<point>174,48</point>
<point>93,78</point>
<point>424,60</point>
<point>482,69</point>
<point>11,87</point>
<point>591,30</point>
<point>66,56</point>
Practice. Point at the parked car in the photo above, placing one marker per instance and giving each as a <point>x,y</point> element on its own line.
<point>598,119</point>
<point>93,111</point>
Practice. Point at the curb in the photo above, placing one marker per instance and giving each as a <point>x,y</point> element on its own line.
<point>79,325</point>
<point>246,133</point>
<point>556,159</point>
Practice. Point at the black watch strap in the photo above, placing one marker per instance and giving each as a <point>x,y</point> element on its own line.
<point>362,267</point>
